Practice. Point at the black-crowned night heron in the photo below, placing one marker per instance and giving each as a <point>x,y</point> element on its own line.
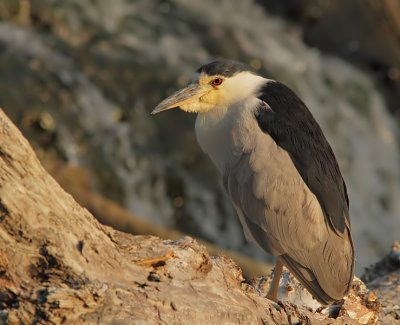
<point>279,171</point>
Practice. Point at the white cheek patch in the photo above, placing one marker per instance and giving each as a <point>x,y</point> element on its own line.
<point>242,85</point>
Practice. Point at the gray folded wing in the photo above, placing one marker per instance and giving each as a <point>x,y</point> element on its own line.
<point>281,214</point>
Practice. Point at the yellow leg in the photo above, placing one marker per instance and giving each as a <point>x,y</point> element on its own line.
<point>273,289</point>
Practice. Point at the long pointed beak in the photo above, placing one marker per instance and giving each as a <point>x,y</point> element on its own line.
<point>186,96</point>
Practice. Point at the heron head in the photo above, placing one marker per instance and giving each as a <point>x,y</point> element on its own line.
<point>216,84</point>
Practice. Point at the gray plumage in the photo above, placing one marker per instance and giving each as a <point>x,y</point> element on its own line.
<point>281,175</point>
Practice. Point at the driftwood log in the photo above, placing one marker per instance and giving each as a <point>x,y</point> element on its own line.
<point>384,278</point>
<point>59,265</point>
<point>75,180</point>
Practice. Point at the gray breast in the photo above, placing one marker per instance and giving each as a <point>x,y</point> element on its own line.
<point>223,133</point>
<point>276,208</point>
<point>259,175</point>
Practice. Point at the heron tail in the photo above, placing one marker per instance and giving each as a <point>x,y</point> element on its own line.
<point>307,280</point>
<point>329,271</point>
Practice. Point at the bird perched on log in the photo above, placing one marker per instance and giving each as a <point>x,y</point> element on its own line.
<point>279,171</point>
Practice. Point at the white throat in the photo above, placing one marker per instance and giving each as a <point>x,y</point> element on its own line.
<point>223,132</point>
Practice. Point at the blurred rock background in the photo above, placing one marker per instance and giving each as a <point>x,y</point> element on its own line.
<point>80,78</point>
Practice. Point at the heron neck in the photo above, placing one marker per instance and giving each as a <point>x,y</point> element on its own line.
<point>224,133</point>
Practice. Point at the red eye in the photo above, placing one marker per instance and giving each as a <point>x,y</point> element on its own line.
<point>217,81</point>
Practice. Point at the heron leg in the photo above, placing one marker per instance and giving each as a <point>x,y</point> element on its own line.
<point>273,289</point>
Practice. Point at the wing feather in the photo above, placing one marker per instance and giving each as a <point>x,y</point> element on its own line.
<point>291,197</point>
<point>290,223</point>
<point>292,126</point>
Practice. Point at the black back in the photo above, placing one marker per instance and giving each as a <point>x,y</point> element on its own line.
<point>222,67</point>
<point>294,129</point>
